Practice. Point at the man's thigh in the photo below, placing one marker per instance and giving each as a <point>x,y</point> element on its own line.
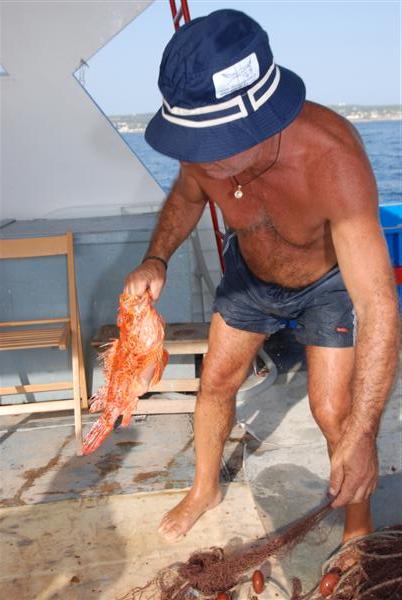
<point>327,318</point>
<point>230,353</point>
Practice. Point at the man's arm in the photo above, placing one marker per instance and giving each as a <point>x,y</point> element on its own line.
<point>364,263</point>
<point>180,214</point>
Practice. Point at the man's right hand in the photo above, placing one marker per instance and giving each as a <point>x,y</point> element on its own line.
<point>149,275</point>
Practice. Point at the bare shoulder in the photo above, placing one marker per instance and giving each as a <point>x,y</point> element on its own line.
<point>187,186</point>
<point>340,170</point>
<point>330,131</point>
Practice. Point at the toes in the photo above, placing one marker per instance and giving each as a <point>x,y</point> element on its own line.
<point>163,520</point>
<point>170,530</point>
<point>173,534</point>
<point>167,527</point>
<point>161,527</point>
<point>173,538</point>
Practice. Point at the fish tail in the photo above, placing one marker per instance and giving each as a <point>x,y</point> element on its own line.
<point>128,413</point>
<point>98,433</point>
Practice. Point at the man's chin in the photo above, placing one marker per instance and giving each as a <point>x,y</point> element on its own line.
<point>217,175</point>
<point>221,174</point>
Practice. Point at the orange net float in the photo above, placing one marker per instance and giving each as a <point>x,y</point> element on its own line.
<point>329,582</point>
<point>131,365</point>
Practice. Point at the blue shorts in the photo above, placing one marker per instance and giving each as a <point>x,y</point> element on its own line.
<point>323,310</point>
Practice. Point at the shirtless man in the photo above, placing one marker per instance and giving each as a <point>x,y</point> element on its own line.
<point>304,242</point>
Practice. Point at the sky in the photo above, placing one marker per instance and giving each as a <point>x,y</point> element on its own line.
<point>346,51</point>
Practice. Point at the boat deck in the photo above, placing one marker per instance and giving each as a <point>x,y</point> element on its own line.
<point>275,469</point>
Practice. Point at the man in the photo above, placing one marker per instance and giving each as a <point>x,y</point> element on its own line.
<point>299,197</point>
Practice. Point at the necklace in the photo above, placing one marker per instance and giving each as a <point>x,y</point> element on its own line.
<point>238,193</point>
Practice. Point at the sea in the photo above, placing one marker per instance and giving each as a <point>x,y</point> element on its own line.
<point>382,139</point>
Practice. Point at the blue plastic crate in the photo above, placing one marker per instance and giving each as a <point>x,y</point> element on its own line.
<point>391,220</point>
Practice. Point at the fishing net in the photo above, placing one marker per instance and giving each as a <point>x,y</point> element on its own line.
<point>215,571</point>
<point>366,568</point>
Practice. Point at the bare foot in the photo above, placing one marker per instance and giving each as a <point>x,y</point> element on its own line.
<point>182,517</point>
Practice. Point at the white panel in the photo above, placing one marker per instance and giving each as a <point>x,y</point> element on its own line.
<point>59,154</point>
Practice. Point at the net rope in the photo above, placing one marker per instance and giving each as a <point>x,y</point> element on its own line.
<point>369,567</point>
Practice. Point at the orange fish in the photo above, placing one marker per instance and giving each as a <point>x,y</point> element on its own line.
<point>131,365</point>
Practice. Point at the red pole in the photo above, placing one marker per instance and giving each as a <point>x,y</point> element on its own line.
<point>186,12</point>
<point>174,13</point>
<point>218,233</point>
<point>177,15</point>
<point>176,20</point>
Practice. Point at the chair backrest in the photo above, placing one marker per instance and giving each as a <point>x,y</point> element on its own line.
<point>32,247</point>
<point>47,246</point>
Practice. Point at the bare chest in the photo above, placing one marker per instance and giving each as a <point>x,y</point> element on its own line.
<point>280,210</point>
<point>280,232</point>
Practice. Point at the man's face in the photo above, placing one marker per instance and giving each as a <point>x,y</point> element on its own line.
<point>227,167</point>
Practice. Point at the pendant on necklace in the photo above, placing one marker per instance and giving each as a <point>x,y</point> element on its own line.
<point>238,193</point>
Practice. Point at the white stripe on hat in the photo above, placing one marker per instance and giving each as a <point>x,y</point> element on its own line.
<point>184,112</point>
<point>179,115</point>
<point>237,101</point>
<point>257,103</point>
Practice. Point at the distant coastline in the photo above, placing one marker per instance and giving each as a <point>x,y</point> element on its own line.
<point>356,113</point>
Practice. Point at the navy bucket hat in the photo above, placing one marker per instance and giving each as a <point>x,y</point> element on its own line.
<point>222,91</point>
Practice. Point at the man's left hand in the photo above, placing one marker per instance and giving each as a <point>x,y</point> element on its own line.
<point>354,468</point>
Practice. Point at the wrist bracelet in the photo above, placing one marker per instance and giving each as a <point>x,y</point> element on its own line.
<point>162,260</point>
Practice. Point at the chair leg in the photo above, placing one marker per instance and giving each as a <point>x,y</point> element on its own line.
<point>76,391</point>
<point>83,383</point>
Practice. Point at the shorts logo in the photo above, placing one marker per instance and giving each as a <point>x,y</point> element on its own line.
<point>342,330</point>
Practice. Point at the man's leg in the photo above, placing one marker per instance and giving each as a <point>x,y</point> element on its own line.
<point>230,353</point>
<point>329,387</point>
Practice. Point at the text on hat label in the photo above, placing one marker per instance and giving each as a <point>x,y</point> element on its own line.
<point>237,76</point>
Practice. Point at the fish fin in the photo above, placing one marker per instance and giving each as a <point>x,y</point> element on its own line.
<point>98,432</point>
<point>97,405</point>
<point>97,402</point>
<point>125,422</point>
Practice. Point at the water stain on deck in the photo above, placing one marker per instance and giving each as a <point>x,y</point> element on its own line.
<point>149,475</point>
<point>128,444</point>
<point>31,475</point>
<point>110,487</point>
<point>109,464</point>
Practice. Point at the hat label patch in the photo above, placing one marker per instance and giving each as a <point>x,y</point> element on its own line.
<point>239,75</point>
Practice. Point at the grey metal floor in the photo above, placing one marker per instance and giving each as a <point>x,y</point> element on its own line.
<point>284,460</point>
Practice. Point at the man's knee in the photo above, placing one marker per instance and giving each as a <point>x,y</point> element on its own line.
<point>330,415</point>
<point>220,378</point>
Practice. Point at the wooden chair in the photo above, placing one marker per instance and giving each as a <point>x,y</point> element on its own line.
<point>47,333</point>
